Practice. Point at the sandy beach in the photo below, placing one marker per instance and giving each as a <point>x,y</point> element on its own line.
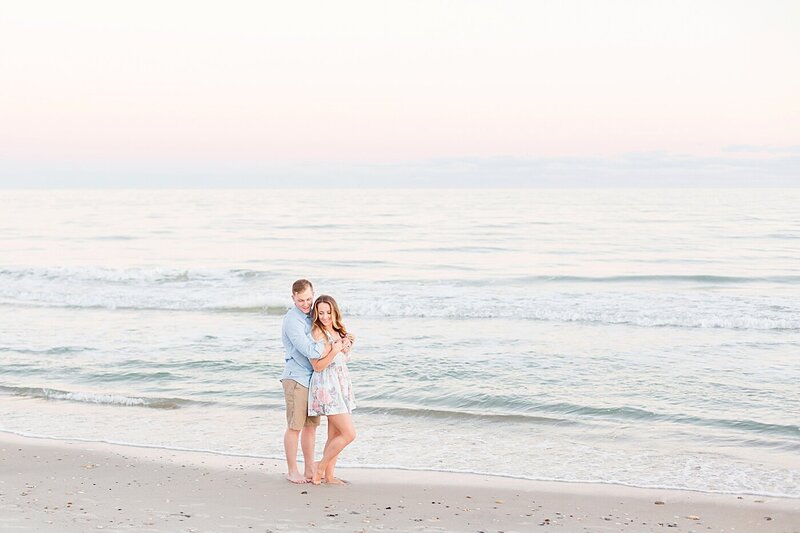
<point>50,485</point>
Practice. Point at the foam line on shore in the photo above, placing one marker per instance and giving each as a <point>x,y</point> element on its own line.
<point>368,466</point>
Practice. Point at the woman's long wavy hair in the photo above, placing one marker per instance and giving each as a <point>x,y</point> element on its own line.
<point>336,315</point>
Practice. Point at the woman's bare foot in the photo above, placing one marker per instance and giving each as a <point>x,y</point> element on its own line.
<point>335,481</point>
<point>295,477</point>
<point>316,478</point>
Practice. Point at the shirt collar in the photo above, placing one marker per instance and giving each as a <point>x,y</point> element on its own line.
<point>299,312</point>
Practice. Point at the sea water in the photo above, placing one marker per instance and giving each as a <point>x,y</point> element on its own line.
<point>642,337</point>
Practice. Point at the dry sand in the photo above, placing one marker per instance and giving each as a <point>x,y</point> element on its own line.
<point>77,486</point>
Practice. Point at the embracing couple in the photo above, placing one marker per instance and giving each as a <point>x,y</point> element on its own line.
<point>316,382</point>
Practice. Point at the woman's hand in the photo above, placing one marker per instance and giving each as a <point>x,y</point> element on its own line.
<point>349,339</point>
<point>337,346</point>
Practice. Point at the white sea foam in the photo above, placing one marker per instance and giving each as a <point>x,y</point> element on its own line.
<point>94,397</point>
<point>88,397</point>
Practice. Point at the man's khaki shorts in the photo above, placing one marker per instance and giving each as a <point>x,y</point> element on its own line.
<point>296,397</point>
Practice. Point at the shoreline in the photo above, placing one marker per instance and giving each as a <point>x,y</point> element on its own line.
<point>59,485</point>
<point>390,468</point>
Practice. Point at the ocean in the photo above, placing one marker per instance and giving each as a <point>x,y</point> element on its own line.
<point>641,337</point>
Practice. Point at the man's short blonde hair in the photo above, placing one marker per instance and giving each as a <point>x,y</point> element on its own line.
<point>300,285</point>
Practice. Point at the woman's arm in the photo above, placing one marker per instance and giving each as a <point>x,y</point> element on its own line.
<point>328,353</point>
<point>323,362</point>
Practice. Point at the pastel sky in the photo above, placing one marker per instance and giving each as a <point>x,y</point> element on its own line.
<point>475,93</point>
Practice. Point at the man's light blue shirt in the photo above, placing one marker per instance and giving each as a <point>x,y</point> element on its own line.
<point>299,346</point>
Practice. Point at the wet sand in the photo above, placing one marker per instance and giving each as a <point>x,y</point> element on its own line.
<point>71,486</point>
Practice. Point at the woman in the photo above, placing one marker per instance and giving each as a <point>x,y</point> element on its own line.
<point>331,392</point>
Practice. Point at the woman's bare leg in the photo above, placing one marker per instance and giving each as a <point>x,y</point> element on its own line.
<point>345,434</point>
<point>328,475</point>
<point>331,434</point>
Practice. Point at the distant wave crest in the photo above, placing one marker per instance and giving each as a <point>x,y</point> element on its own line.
<point>163,275</point>
<point>664,302</point>
<point>136,276</point>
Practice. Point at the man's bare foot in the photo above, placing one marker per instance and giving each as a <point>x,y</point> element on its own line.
<point>295,477</point>
<point>310,470</point>
<point>335,481</point>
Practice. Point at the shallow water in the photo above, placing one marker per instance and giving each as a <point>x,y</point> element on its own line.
<point>643,337</point>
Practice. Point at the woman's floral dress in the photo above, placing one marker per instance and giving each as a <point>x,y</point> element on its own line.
<point>330,391</point>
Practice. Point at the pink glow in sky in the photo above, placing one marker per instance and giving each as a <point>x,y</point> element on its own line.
<point>255,81</point>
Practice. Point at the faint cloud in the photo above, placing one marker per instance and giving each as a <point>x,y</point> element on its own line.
<point>640,169</point>
<point>762,149</point>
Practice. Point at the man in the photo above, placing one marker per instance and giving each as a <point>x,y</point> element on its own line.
<point>296,376</point>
